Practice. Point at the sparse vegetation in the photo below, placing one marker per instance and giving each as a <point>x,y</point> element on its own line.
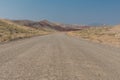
<point>11,31</point>
<point>106,35</point>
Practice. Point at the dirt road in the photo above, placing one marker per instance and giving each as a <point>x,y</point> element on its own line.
<point>58,57</point>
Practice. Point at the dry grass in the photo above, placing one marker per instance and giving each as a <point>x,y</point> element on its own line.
<point>11,31</point>
<point>106,35</point>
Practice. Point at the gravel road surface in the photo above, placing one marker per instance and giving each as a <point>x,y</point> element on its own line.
<point>58,57</point>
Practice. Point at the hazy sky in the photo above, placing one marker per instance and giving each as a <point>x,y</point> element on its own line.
<point>67,11</point>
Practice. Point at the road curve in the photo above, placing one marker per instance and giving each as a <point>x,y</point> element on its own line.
<point>58,57</point>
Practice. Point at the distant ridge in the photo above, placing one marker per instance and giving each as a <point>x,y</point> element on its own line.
<point>44,24</point>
